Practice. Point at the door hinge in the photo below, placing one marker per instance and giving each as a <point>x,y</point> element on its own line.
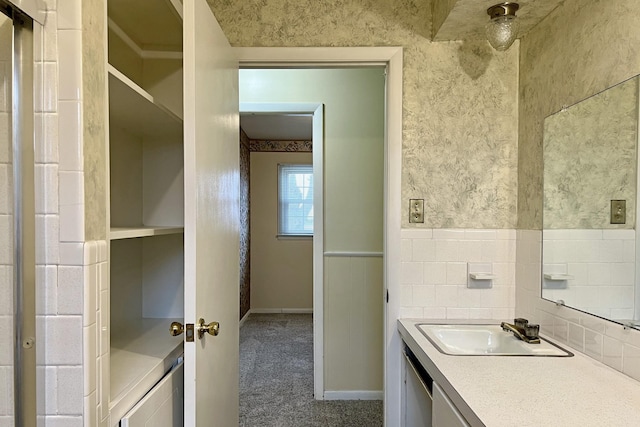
<point>387,295</point>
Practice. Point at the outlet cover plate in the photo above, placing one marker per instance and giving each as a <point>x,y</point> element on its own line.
<point>416,211</point>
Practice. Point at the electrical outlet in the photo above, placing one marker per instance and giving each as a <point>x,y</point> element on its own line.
<point>618,212</point>
<point>416,210</point>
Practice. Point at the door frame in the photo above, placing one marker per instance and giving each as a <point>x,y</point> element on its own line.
<point>391,57</point>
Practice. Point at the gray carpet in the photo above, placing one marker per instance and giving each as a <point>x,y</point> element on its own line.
<point>276,378</point>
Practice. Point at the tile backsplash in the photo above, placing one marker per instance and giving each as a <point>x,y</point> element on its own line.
<point>605,341</point>
<point>600,264</point>
<point>434,273</point>
<point>434,286</point>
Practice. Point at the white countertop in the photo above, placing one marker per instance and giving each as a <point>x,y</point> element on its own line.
<point>514,391</point>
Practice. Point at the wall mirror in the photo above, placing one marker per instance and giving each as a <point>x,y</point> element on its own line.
<point>589,237</point>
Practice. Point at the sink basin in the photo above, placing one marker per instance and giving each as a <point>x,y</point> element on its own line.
<point>485,340</point>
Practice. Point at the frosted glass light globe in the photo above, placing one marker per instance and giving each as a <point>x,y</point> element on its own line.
<point>502,32</point>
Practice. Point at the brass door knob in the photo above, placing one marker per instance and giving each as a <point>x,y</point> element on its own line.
<point>176,329</point>
<point>212,328</point>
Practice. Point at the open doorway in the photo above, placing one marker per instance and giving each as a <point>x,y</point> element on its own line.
<point>277,141</point>
<point>348,250</point>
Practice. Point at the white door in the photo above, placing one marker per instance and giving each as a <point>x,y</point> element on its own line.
<point>212,221</point>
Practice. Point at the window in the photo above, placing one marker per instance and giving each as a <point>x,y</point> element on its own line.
<point>295,200</point>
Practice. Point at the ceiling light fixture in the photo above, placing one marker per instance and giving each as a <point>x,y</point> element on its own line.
<point>502,30</point>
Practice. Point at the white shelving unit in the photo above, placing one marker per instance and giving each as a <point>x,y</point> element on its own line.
<point>146,162</point>
<point>134,109</point>
<point>138,361</point>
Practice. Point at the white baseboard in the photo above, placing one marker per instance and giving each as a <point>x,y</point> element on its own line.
<point>281,310</point>
<point>297,310</point>
<point>354,395</point>
<point>244,318</point>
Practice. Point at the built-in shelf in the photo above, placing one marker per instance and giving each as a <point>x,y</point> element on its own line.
<point>140,356</point>
<point>119,233</point>
<point>557,276</point>
<point>135,110</point>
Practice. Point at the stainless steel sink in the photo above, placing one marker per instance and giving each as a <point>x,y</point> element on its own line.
<point>485,340</point>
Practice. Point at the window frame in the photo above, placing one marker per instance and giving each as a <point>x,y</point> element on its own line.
<point>281,233</point>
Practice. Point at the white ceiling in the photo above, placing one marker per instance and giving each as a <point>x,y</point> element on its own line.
<point>284,127</point>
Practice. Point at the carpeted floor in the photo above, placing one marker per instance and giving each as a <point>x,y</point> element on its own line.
<point>276,378</point>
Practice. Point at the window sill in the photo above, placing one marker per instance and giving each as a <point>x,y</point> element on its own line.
<point>294,236</point>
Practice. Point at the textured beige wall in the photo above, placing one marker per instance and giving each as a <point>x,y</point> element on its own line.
<point>460,98</point>
<point>580,49</point>
<point>281,269</point>
<point>93,119</point>
<point>590,158</point>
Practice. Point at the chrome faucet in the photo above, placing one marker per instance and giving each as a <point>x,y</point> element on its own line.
<point>523,330</point>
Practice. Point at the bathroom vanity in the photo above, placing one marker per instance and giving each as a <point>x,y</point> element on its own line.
<point>509,391</point>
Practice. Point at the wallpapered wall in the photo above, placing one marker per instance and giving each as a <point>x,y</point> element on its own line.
<point>575,52</point>
<point>271,145</point>
<point>245,229</point>
<point>589,159</point>
<point>460,98</point>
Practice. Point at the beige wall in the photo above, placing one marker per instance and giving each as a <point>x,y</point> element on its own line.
<point>354,345</point>
<point>281,269</point>
<point>459,99</point>
<point>353,147</point>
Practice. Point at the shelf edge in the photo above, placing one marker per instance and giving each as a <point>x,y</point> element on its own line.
<point>121,233</point>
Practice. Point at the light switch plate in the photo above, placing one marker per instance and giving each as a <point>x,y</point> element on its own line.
<point>618,212</point>
<point>416,211</point>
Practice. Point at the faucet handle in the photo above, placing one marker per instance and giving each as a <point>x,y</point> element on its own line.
<point>532,331</point>
<point>520,322</point>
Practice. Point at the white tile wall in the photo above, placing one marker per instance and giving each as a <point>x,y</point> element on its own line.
<point>434,273</point>
<point>602,263</point>
<point>71,152</point>
<point>96,382</point>
<point>600,339</point>
<point>71,275</point>
<point>73,380</point>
